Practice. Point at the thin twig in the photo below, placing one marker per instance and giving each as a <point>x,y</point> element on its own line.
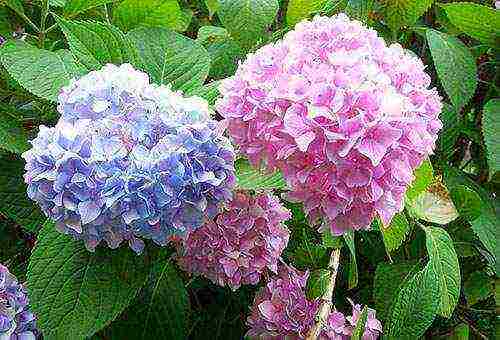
<point>326,299</point>
<point>468,322</point>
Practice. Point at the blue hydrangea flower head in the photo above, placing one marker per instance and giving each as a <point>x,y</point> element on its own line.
<point>129,160</point>
<point>16,319</point>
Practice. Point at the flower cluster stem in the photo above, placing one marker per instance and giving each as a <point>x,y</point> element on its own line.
<point>326,299</point>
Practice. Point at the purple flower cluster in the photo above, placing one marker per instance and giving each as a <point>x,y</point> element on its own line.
<point>281,310</point>
<point>129,160</point>
<point>345,118</point>
<point>241,243</point>
<point>16,320</point>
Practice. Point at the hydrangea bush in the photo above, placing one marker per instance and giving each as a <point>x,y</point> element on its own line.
<point>248,169</point>
<point>344,116</point>
<point>16,319</point>
<point>129,160</point>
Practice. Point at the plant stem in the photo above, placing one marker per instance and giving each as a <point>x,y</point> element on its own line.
<point>326,299</point>
<point>45,12</point>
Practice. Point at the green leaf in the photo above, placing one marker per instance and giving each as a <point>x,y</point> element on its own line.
<point>480,22</point>
<point>357,333</point>
<point>212,6</point>
<point>359,9</point>
<point>444,262</point>
<point>317,283</point>
<point>249,178</point>
<point>74,7</point>
<point>160,311</point>
<point>467,202</point>
<point>298,10</point>
<point>330,241</point>
<point>479,286</point>
<point>130,14</point>
<point>455,67</point>
<point>171,58</point>
<point>395,234</point>
<point>12,135</point>
<point>491,131</point>
<point>41,72</point>
<point>14,202</point>
<point>246,20</point>
<point>403,13</point>
<point>448,136</point>
<point>74,292</point>
<point>224,51</point>
<point>423,178</point>
<point>209,92</point>
<point>15,5</point>
<point>461,332</point>
<point>95,44</point>
<point>486,224</point>
<point>387,281</point>
<point>352,274</point>
<point>415,306</point>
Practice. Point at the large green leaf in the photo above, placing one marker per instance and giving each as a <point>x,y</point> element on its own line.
<point>317,283</point>
<point>41,72</point>
<point>249,178</point>
<point>448,136</point>
<point>352,274</point>
<point>455,66</point>
<point>74,292</point>
<point>388,279</point>
<point>478,286</point>
<point>130,14</point>
<point>301,9</point>
<point>14,202</point>
<point>395,234</point>
<point>95,44</point>
<point>485,225</point>
<point>171,58</point>
<point>160,311</point>
<point>209,91</point>
<point>467,202</point>
<point>444,262</point>
<point>13,138</point>
<point>480,22</point>
<point>400,13</point>
<point>74,7</point>
<point>424,176</point>
<point>224,51</point>
<point>246,20</point>
<point>491,131</point>
<point>414,307</point>
<point>359,9</point>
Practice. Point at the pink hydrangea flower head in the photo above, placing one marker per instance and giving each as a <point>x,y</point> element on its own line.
<point>281,309</point>
<point>345,117</point>
<point>373,327</point>
<point>244,240</point>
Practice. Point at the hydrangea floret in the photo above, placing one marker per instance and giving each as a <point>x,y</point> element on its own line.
<point>244,241</point>
<point>281,310</point>
<point>16,319</point>
<point>345,117</point>
<point>129,160</point>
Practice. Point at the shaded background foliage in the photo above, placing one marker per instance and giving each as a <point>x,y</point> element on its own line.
<point>451,209</point>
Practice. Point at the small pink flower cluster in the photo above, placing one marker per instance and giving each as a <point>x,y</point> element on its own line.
<point>281,310</point>
<point>345,117</point>
<point>246,238</point>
